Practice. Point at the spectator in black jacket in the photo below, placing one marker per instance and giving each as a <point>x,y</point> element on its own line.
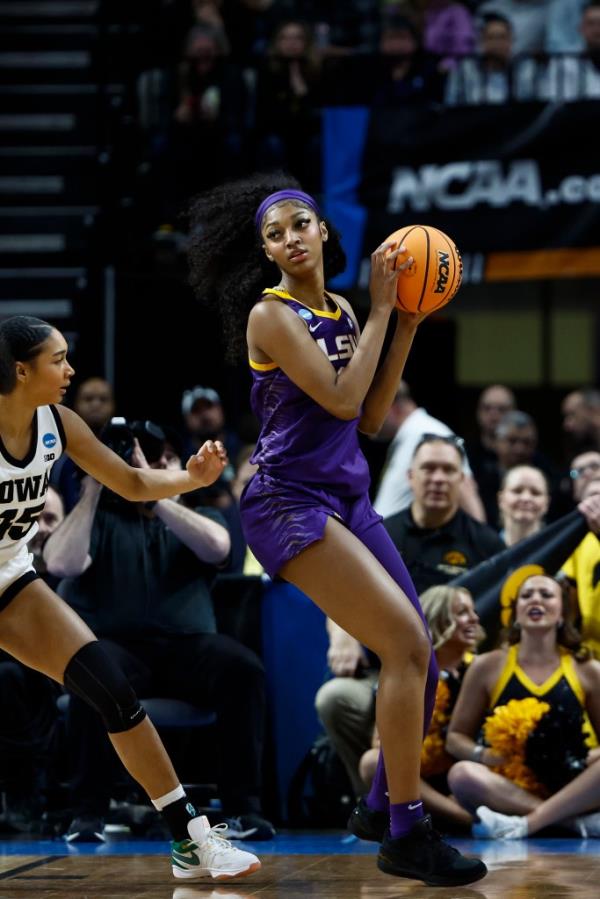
<point>437,540</point>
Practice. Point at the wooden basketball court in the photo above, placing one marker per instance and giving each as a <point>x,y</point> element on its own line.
<point>535,869</point>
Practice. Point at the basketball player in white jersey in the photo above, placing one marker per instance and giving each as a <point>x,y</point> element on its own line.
<point>43,632</point>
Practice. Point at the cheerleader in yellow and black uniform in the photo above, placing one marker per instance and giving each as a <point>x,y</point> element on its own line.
<point>525,722</point>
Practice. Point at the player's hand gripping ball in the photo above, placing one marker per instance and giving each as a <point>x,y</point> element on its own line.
<point>435,275</point>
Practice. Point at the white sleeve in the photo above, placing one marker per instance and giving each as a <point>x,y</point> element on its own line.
<point>394,491</point>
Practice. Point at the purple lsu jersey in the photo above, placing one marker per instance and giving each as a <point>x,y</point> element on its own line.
<point>299,440</point>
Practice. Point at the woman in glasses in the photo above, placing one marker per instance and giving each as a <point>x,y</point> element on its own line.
<point>584,468</point>
<point>261,252</point>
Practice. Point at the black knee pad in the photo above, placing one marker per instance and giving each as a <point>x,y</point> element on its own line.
<point>97,680</point>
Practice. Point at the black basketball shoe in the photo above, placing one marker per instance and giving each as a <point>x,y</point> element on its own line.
<point>423,855</point>
<point>368,824</point>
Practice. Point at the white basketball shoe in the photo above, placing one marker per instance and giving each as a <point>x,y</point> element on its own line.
<point>207,855</point>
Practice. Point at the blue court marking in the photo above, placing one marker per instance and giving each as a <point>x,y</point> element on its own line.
<point>297,843</point>
<point>493,852</point>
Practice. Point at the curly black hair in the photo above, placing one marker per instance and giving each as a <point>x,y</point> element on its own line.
<point>228,269</point>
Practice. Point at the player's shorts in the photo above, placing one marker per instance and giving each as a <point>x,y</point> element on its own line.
<point>281,518</point>
<point>16,574</point>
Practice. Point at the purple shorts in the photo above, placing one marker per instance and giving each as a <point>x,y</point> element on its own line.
<point>281,518</point>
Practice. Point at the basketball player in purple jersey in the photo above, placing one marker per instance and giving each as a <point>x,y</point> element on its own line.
<point>306,512</point>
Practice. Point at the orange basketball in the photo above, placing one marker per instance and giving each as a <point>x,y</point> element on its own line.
<point>435,275</point>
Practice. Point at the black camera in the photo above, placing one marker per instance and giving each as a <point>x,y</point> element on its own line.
<point>119,435</point>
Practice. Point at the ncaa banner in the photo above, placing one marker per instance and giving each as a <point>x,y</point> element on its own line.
<point>517,187</point>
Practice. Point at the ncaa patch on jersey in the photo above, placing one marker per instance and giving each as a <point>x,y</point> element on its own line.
<point>49,440</point>
<point>306,314</point>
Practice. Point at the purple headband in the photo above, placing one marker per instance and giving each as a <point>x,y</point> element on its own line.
<point>277,197</point>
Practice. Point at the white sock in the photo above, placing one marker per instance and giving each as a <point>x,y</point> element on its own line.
<point>168,798</point>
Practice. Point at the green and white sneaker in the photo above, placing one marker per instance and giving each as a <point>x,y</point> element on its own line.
<point>207,855</point>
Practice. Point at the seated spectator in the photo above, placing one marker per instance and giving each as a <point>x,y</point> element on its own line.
<point>438,541</point>
<point>583,568</point>
<point>345,28</point>
<point>523,501</point>
<point>487,77</point>
<point>448,29</point>
<point>516,444</point>
<point>528,20</point>
<point>573,78</point>
<point>584,468</point>
<point>287,98</point>
<point>563,32</point>
<point>405,73</point>
<point>455,631</point>
<point>208,12</point>
<point>52,515</point>
<point>29,712</point>
<point>404,426</point>
<point>580,411</point>
<point>207,141</point>
<point>204,419</point>
<point>516,440</point>
<point>493,404</point>
<point>345,704</point>
<point>94,401</point>
<point>141,574</point>
<point>520,726</point>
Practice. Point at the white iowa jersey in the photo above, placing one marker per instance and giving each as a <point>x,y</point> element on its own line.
<point>24,482</point>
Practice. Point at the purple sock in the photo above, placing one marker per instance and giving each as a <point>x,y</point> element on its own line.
<point>378,798</point>
<point>403,815</point>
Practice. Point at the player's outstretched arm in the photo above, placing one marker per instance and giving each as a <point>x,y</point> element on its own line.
<point>137,484</point>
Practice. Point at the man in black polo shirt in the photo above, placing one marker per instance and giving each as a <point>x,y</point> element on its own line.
<point>437,540</point>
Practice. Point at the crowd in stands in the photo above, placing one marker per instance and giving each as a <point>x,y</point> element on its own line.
<point>477,773</point>
<point>226,88</point>
<point>144,577</point>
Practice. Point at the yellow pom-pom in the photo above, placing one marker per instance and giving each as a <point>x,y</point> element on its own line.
<point>506,731</point>
<point>434,758</point>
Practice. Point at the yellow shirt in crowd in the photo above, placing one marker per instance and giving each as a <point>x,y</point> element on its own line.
<point>583,567</point>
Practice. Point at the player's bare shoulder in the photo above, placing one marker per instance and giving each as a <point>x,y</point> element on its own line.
<point>267,311</point>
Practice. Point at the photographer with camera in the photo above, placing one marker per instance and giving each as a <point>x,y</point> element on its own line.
<point>140,575</point>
